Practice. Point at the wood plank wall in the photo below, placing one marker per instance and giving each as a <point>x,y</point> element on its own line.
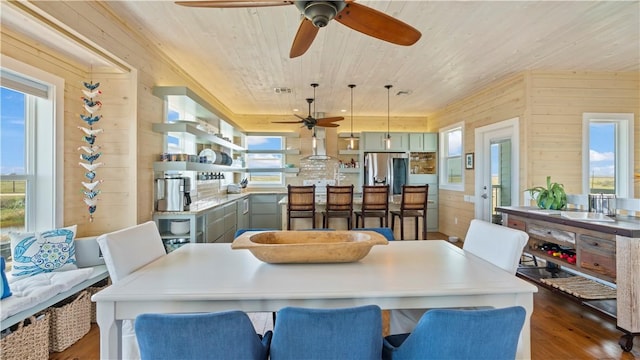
<point>113,207</point>
<point>554,136</point>
<point>129,108</point>
<point>550,107</point>
<point>501,101</point>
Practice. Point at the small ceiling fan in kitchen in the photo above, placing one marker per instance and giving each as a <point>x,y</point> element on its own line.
<point>317,14</point>
<point>310,122</point>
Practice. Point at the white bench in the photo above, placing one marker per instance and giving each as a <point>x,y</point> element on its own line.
<point>87,256</point>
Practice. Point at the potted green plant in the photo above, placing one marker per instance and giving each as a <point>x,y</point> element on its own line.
<point>553,197</point>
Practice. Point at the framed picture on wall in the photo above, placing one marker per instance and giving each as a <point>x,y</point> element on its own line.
<point>468,161</point>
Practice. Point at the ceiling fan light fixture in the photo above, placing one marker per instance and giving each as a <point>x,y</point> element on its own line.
<point>320,12</point>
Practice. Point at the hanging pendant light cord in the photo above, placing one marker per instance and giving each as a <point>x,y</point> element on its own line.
<point>314,85</point>
<point>352,86</point>
<point>388,106</point>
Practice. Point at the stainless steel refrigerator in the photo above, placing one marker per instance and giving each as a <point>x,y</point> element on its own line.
<point>382,168</point>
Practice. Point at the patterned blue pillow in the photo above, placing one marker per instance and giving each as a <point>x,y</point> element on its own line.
<point>42,252</point>
<point>4,284</point>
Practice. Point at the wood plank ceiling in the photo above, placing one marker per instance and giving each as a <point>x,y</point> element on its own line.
<point>241,54</point>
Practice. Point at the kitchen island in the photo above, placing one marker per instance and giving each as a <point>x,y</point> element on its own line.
<point>341,224</point>
<point>607,250</point>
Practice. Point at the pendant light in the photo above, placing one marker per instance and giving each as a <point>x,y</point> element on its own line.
<point>387,140</point>
<point>314,139</point>
<point>352,139</point>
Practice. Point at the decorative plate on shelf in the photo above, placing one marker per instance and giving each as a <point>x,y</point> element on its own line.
<point>209,154</point>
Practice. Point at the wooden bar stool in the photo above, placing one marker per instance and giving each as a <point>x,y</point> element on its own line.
<point>413,205</point>
<point>375,203</point>
<point>339,204</point>
<point>301,203</point>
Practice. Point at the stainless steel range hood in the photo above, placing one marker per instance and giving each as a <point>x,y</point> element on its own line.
<point>319,168</point>
<point>320,151</point>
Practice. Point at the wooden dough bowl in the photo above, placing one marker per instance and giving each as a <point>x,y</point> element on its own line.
<point>279,247</point>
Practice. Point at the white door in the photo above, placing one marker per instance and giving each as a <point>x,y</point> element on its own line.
<point>497,168</point>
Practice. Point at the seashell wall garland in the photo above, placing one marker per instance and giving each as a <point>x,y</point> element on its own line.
<point>90,154</point>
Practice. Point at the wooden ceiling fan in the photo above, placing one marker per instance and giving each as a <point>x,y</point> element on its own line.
<point>317,14</point>
<point>310,122</point>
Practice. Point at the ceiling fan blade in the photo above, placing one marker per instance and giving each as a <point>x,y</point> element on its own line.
<point>304,38</point>
<point>303,118</point>
<point>328,125</point>
<point>287,122</point>
<point>330,120</point>
<point>233,3</point>
<point>377,24</point>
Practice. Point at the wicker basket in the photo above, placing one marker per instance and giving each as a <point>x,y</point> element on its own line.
<point>27,342</point>
<point>70,321</point>
<point>92,291</point>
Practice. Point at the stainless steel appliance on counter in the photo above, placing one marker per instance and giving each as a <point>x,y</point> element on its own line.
<point>173,194</point>
<point>382,168</point>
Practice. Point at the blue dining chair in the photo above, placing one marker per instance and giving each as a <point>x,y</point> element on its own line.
<point>459,334</point>
<point>221,335</point>
<point>310,334</point>
<point>386,232</point>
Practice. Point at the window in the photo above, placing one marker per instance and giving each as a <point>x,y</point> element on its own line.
<point>178,142</point>
<point>31,158</point>
<point>608,154</point>
<point>174,140</point>
<point>263,153</point>
<point>451,176</point>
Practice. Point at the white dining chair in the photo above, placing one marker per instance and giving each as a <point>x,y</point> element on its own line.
<point>500,245</point>
<point>125,251</point>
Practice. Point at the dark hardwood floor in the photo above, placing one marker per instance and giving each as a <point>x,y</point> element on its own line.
<point>560,329</point>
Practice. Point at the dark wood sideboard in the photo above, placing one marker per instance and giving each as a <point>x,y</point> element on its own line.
<point>605,250</point>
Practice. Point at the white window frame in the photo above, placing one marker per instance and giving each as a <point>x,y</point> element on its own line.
<point>624,150</point>
<point>254,183</point>
<point>186,142</point>
<point>227,130</point>
<point>444,155</point>
<point>45,162</point>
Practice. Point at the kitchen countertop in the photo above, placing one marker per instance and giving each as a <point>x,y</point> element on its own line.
<point>199,207</point>
<point>622,225</point>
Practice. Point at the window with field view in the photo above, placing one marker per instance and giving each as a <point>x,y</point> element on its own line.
<point>28,153</point>
<point>602,158</point>
<point>608,145</point>
<point>451,158</point>
<point>264,153</point>
<point>13,185</point>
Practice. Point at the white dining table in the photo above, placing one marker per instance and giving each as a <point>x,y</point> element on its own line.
<point>400,275</point>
